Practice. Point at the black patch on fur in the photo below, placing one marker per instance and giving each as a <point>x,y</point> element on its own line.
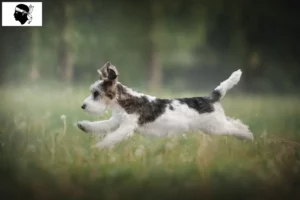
<point>111,74</point>
<point>106,87</point>
<point>148,111</point>
<point>200,104</point>
<point>215,96</point>
<point>96,94</point>
<point>171,107</point>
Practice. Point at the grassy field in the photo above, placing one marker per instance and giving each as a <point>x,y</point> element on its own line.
<point>45,156</point>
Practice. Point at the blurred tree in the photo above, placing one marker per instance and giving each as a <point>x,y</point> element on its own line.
<point>182,43</point>
<point>68,41</point>
<point>34,71</point>
<point>175,30</point>
<point>155,63</point>
<point>61,19</point>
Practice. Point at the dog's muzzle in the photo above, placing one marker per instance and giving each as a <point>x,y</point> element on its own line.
<point>83,106</point>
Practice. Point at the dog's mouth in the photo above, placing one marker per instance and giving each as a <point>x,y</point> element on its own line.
<point>96,113</point>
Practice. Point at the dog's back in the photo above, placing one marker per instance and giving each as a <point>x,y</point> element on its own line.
<point>196,113</point>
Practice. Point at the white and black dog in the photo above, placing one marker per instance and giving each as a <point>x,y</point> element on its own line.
<point>152,116</point>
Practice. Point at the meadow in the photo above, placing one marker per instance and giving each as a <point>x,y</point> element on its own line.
<point>45,156</point>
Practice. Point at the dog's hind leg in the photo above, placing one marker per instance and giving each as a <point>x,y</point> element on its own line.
<point>228,126</point>
<point>239,130</point>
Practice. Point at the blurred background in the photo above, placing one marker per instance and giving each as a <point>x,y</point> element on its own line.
<point>184,44</point>
<point>173,48</point>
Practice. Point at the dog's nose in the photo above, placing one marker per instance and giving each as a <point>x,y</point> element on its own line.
<point>83,106</point>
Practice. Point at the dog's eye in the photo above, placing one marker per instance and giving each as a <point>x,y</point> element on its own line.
<point>96,94</point>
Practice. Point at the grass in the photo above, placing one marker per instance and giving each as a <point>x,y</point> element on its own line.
<point>45,156</point>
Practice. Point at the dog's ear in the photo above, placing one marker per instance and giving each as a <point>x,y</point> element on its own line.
<point>108,72</point>
<point>103,71</point>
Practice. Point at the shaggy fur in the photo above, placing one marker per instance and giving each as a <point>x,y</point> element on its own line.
<point>134,112</point>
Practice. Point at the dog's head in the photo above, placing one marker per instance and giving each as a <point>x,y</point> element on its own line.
<point>103,91</point>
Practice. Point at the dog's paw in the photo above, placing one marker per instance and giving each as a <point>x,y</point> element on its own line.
<point>84,126</point>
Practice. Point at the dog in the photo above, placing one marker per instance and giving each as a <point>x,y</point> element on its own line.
<point>134,112</point>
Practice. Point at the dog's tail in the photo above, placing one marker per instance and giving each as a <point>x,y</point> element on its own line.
<point>220,91</point>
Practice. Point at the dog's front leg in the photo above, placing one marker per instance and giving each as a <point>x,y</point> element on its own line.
<point>98,127</point>
<point>122,133</point>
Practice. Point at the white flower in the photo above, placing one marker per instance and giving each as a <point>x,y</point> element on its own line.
<point>63,117</point>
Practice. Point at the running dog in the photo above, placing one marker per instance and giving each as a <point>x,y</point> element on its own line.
<point>134,112</point>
